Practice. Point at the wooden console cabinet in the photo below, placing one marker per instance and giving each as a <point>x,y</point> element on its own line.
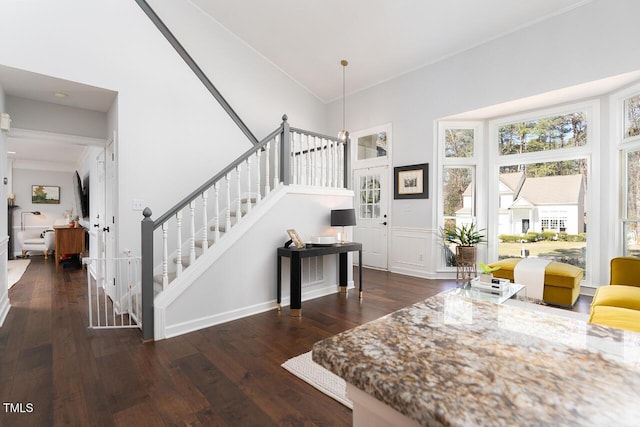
<point>69,241</point>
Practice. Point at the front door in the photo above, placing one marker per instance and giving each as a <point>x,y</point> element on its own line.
<point>371,203</point>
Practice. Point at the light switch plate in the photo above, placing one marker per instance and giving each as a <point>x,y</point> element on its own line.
<point>137,205</point>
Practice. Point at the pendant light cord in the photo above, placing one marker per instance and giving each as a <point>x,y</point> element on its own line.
<point>344,64</point>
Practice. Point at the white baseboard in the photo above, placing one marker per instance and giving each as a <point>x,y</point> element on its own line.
<point>414,273</point>
<point>163,331</point>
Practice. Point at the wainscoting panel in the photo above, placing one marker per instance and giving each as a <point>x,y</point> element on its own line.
<point>412,252</point>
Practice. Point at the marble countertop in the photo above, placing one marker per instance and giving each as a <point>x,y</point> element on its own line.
<point>450,360</point>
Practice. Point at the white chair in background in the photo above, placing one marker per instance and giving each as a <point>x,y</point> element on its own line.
<point>38,241</point>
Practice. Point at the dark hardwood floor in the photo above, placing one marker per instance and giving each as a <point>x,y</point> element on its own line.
<point>224,375</point>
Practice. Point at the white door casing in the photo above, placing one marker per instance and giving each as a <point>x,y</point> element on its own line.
<point>372,219</point>
<point>371,159</point>
<point>105,220</point>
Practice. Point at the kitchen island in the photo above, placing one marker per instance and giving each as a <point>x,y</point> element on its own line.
<point>450,360</point>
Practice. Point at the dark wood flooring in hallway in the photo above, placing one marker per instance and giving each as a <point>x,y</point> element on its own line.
<point>66,374</point>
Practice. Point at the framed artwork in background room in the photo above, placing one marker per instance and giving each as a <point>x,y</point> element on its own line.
<point>48,194</point>
<point>411,182</point>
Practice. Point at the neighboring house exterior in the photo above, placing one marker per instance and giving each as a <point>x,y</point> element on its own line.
<point>550,203</point>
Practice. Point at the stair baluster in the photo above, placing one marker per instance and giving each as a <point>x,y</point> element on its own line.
<point>239,189</point>
<point>216,220</point>
<point>227,226</point>
<point>334,174</point>
<point>314,157</point>
<point>258,162</point>
<point>267,189</point>
<point>192,237</point>
<point>276,163</point>
<point>165,255</point>
<point>248,184</point>
<point>205,221</point>
<point>294,160</point>
<point>179,243</point>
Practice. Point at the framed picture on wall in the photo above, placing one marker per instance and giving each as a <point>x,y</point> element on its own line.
<point>411,182</point>
<point>46,194</point>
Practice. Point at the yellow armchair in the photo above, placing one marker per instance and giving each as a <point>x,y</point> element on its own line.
<point>618,305</point>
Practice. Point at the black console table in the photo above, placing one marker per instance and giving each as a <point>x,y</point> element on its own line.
<point>296,255</point>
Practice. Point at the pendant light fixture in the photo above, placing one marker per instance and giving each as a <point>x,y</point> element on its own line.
<point>343,135</point>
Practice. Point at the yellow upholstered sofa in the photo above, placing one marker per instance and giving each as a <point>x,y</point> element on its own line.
<point>561,281</point>
<point>618,305</point>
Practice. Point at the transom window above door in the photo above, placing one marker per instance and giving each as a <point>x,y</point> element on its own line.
<point>372,146</point>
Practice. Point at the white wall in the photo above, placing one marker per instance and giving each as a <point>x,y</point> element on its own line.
<point>171,133</point>
<point>585,44</point>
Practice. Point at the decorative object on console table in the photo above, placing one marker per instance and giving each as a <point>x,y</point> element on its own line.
<point>411,182</point>
<point>295,238</point>
<point>69,241</point>
<point>343,218</point>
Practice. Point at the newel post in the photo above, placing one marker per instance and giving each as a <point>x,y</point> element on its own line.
<point>347,161</point>
<point>285,152</point>
<point>147,275</point>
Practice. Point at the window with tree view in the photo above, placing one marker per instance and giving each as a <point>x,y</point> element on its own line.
<point>631,220</point>
<point>542,197</point>
<point>458,203</point>
<point>458,142</point>
<point>632,116</point>
<point>549,133</point>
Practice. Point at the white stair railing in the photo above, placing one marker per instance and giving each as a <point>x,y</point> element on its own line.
<point>114,303</point>
<point>286,156</point>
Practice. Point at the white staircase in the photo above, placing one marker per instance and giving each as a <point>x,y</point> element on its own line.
<point>179,239</point>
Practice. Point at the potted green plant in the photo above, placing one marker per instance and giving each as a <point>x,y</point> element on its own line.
<point>465,237</point>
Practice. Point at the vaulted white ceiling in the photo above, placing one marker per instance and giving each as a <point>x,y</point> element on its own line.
<point>381,39</point>
<point>306,39</point>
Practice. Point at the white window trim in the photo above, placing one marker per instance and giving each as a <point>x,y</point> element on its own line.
<point>476,162</point>
<point>495,160</point>
<point>616,162</point>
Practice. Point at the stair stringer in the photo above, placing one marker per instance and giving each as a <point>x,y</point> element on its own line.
<point>236,277</point>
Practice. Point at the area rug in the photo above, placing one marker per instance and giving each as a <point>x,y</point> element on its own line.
<point>333,386</point>
<point>527,305</point>
<point>322,379</point>
<point>15,270</point>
